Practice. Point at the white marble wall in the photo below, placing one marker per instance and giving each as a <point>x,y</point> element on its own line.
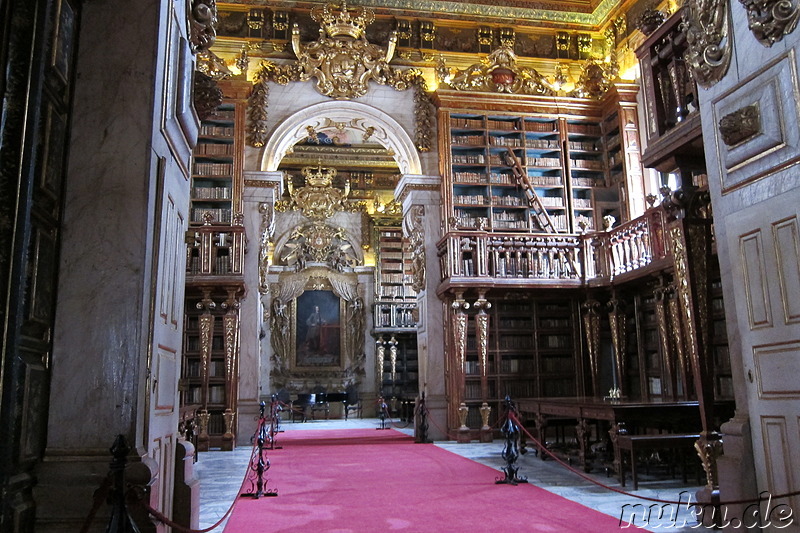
<point>118,328</point>
<point>425,191</point>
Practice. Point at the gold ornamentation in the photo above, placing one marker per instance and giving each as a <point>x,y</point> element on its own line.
<point>741,125</point>
<point>415,231</point>
<point>229,416</point>
<point>202,15</point>
<point>482,321</point>
<point>279,335</point>
<point>380,356</point>
<point>706,25</point>
<point>591,323</point>
<point>460,331</point>
<point>257,104</point>
<point>267,230</point>
<point>485,36</point>
<point>423,113</point>
<point>203,417</point>
<point>618,322</point>
<point>507,37</point>
<point>342,60</point>
<point>485,412</point>
<point>497,73</point>
<point>770,20</point>
<point>427,32</point>
<point>318,242</point>
<point>463,411</point>
<point>230,325</point>
<point>709,448</point>
<point>596,78</point>
<point>319,199</point>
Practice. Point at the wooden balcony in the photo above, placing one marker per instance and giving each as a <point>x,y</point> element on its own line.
<point>474,259</point>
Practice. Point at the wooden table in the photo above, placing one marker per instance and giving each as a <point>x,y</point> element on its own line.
<point>631,416</point>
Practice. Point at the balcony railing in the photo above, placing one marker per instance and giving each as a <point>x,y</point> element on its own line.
<point>567,260</point>
<point>215,250</point>
<point>395,315</point>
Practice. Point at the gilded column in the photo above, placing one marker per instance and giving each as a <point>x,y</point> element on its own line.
<point>459,318</point>
<point>482,328</point>
<point>230,324</point>
<point>206,324</point>
<point>669,380</point>
<point>591,326</point>
<point>618,322</point>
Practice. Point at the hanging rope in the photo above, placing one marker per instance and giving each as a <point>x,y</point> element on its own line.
<point>638,496</point>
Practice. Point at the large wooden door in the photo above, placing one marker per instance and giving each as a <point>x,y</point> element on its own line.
<point>764,243</point>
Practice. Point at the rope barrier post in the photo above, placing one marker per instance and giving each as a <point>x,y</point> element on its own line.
<point>121,520</point>
<point>274,422</point>
<point>421,433</point>
<point>510,454</point>
<point>259,463</point>
<point>382,413</point>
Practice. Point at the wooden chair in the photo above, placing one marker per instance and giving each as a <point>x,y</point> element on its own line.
<point>353,402</point>
<point>320,403</point>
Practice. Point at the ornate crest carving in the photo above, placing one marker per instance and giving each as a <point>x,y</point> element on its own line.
<point>202,15</point>
<point>742,124</point>
<point>342,60</point>
<point>318,200</point>
<point>596,78</point>
<point>498,72</point>
<point>706,24</point>
<point>770,20</point>
<point>318,242</point>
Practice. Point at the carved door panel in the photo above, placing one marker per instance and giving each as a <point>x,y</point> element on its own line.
<point>764,243</point>
<point>34,122</point>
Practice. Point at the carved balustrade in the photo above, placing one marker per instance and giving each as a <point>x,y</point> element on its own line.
<point>395,315</point>
<point>565,259</point>
<point>215,250</point>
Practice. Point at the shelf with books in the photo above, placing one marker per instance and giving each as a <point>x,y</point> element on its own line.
<point>393,274</point>
<point>217,166</point>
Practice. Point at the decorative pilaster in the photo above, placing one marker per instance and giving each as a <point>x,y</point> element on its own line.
<point>230,323</point>
<point>482,328</point>
<point>690,237</point>
<point>459,330</point>
<point>591,326</point>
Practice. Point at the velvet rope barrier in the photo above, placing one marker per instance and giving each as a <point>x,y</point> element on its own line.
<point>639,496</point>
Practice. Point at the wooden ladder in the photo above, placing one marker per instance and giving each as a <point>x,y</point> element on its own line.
<point>535,203</point>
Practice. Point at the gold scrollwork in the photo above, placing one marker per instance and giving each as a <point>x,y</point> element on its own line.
<point>706,24</point>
<point>499,72</point>
<point>770,20</point>
<point>202,15</point>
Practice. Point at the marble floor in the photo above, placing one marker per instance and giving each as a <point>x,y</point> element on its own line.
<point>221,474</point>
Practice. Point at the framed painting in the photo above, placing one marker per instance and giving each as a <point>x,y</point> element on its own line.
<point>318,338</point>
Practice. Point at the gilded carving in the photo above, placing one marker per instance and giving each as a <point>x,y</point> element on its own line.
<point>618,322</point>
<point>482,322</point>
<point>267,230</point>
<point>595,79</point>
<point>342,60</point>
<point>499,72</point>
<point>740,125</point>
<point>460,331</point>
<point>706,25</point>
<point>257,104</point>
<point>770,20</point>
<point>230,327</point>
<point>319,199</point>
<point>202,16</point>
<point>709,449</point>
<point>207,96</point>
<point>663,339</point>
<point>591,324</point>
<point>318,242</point>
<point>415,232</point>
<point>380,356</point>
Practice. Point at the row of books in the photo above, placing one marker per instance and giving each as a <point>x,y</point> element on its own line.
<point>216,131</point>
<point>214,149</point>
<point>213,169</point>
<point>211,193</point>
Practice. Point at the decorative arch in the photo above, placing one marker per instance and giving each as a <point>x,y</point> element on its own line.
<point>344,116</point>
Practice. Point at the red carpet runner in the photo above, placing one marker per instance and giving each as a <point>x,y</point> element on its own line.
<point>369,481</point>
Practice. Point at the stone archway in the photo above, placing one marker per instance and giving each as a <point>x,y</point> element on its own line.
<point>350,116</point>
